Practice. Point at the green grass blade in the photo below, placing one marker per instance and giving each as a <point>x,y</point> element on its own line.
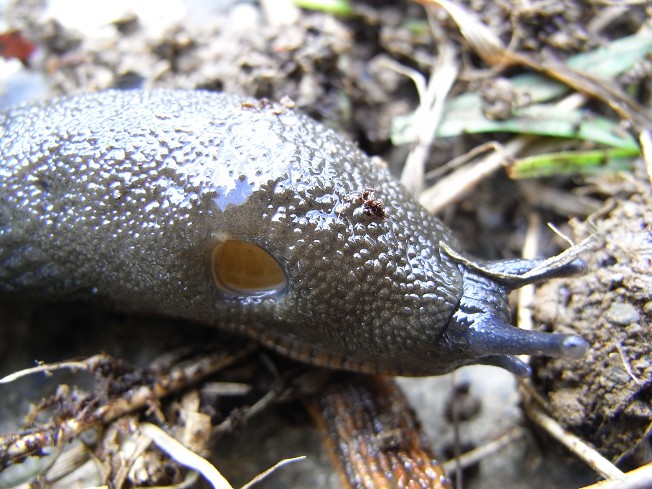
<point>572,163</point>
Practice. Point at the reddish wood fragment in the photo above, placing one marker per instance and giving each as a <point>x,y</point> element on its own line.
<point>14,45</point>
<point>374,437</point>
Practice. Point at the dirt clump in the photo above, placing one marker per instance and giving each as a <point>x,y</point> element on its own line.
<point>606,399</point>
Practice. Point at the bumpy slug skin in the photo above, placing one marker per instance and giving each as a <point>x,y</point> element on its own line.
<point>249,216</point>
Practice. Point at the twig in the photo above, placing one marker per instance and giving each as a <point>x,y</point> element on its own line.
<point>428,115</point>
<point>184,456</point>
<point>635,479</point>
<point>474,456</point>
<point>67,462</point>
<point>417,78</point>
<point>626,364</point>
<point>228,424</point>
<point>194,461</point>
<point>46,369</point>
<point>576,445</point>
<point>463,159</point>
<point>14,448</point>
<point>437,197</point>
<point>128,460</point>
<point>645,139</point>
<point>272,469</point>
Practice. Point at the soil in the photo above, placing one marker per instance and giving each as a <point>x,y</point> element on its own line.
<point>332,67</point>
<point>606,399</point>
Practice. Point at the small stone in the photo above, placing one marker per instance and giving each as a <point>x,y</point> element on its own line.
<point>622,314</point>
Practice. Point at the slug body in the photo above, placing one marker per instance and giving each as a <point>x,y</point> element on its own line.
<point>130,197</point>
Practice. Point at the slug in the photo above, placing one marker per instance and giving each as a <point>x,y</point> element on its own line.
<point>251,217</point>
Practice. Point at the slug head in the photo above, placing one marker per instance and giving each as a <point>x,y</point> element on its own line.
<point>354,273</point>
<point>479,331</point>
<point>358,331</point>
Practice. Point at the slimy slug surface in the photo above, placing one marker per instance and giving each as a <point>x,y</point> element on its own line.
<point>251,217</point>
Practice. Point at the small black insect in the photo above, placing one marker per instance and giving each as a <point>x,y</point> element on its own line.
<point>371,206</point>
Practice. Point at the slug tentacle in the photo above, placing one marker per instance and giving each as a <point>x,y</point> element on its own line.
<point>495,337</point>
<point>479,327</point>
<point>517,272</point>
<point>239,215</point>
<point>508,362</point>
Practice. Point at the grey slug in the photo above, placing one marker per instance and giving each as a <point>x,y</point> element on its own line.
<point>248,216</point>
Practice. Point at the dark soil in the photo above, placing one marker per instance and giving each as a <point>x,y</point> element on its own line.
<point>606,399</point>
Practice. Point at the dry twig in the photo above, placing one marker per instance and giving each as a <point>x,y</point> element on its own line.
<point>576,445</point>
<point>636,479</point>
<point>100,411</point>
<point>474,456</point>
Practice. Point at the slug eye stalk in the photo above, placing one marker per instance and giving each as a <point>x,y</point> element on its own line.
<point>500,342</point>
<point>480,329</point>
